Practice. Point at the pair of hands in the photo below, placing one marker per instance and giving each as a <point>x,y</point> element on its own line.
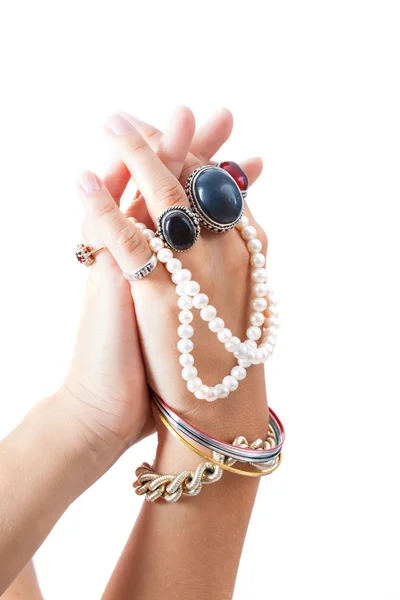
<point>127,336</point>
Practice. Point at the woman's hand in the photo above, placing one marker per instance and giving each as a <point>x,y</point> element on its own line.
<point>220,263</point>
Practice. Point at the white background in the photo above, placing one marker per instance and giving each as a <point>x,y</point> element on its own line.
<point>314,88</point>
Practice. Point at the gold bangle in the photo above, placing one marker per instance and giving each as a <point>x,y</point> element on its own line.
<point>212,459</point>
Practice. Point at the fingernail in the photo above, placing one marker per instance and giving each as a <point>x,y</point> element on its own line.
<point>119,124</point>
<point>90,182</point>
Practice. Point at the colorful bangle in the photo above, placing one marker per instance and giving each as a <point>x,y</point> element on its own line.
<point>260,452</point>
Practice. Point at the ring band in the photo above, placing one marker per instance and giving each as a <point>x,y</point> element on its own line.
<point>145,270</point>
<point>84,254</point>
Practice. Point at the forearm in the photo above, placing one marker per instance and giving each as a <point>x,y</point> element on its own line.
<point>191,549</point>
<point>25,586</point>
<point>44,466</point>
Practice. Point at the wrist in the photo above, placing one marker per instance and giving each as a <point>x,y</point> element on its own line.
<point>91,451</point>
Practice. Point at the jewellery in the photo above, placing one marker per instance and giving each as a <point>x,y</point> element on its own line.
<point>264,318</point>
<point>179,228</point>
<point>145,270</point>
<point>215,196</point>
<point>274,463</point>
<point>171,487</point>
<point>84,255</point>
<point>263,321</point>
<point>259,452</point>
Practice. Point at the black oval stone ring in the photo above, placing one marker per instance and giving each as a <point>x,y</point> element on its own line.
<point>216,194</point>
<point>178,228</point>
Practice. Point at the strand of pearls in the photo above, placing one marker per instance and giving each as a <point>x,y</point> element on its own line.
<point>261,333</point>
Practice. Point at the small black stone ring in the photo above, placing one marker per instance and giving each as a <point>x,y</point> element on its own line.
<point>216,197</point>
<point>178,227</point>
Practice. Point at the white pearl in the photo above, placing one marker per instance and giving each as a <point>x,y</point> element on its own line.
<point>202,392</point>
<point>254,246</point>
<point>208,313</point>
<point>249,232</point>
<point>225,335</point>
<point>260,289</point>
<point>174,265</point>
<point>132,220</point>
<point>216,325</point>
<point>194,384</point>
<point>185,346</point>
<point>256,319</point>
<point>148,234</point>
<point>185,302</point>
<point>243,222</point>
<point>259,275</point>
<point>259,304</point>
<point>233,344</point>
<point>273,311</point>
<point>242,351</point>
<point>251,355</point>
<point>156,244</point>
<point>223,390</point>
<point>180,290</point>
<point>186,360</point>
<point>272,321</point>
<point>264,353</point>
<point>271,298</point>
<point>257,260</point>
<point>213,394</point>
<point>231,383</point>
<point>192,288</point>
<point>141,226</point>
<point>185,316</point>
<point>200,301</point>
<point>239,373</point>
<point>253,333</point>
<point>164,255</point>
<point>258,359</point>
<point>244,363</point>
<point>181,276</point>
<point>185,331</point>
<point>251,343</point>
<point>189,373</point>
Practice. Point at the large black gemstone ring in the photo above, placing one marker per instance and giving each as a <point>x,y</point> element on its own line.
<point>178,228</point>
<point>215,197</point>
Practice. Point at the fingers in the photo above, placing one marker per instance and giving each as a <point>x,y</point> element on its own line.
<point>116,179</point>
<point>253,168</point>
<point>212,135</point>
<point>123,239</point>
<point>156,183</point>
<point>173,146</point>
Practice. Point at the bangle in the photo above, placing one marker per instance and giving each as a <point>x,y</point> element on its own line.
<point>260,452</point>
<point>274,463</point>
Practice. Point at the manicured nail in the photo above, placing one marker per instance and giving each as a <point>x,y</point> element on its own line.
<point>119,124</point>
<point>90,182</point>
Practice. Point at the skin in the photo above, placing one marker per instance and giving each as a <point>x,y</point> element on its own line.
<point>125,342</point>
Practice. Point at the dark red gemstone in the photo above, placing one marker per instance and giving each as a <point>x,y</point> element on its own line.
<point>237,173</point>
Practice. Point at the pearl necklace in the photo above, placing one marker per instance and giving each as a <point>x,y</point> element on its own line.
<point>263,320</point>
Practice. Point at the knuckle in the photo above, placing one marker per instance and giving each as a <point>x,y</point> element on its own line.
<point>139,146</point>
<point>188,170</point>
<point>103,210</point>
<point>169,191</point>
<point>129,239</point>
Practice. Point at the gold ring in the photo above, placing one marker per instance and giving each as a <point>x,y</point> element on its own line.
<point>84,254</point>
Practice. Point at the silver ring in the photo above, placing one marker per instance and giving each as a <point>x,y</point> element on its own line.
<point>145,270</point>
